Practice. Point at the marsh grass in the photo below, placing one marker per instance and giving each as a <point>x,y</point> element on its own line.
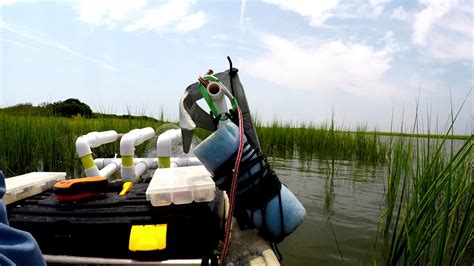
<point>33,143</point>
<point>428,218</point>
<point>429,214</point>
<point>324,141</point>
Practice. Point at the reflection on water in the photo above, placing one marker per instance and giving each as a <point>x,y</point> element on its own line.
<point>343,201</point>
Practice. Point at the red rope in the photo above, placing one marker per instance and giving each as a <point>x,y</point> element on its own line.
<point>228,222</point>
<point>203,81</point>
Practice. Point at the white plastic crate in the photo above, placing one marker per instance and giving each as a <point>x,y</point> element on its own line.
<point>180,185</point>
<point>23,186</point>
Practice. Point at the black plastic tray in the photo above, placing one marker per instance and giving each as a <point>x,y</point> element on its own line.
<point>101,227</point>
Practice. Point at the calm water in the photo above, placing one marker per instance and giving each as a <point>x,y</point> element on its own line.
<point>343,202</point>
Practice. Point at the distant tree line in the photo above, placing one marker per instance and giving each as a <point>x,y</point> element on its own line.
<point>68,108</point>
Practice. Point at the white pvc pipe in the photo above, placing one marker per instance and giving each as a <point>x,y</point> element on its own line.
<point>93,140</point>
<point>102,162</point>
<point>134,138</point>
<point>185,161</point>
<point>92,171</point>
<point>140,168</point>
<point>127,149</point>
<point>216,92</point>
<point>164,142</point>
<point>152,163</point>
<point>110,169</point>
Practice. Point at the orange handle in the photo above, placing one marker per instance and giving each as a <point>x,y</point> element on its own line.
<point>68,183</point>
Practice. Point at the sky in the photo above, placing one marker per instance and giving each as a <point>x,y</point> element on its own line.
<point>365,63</point>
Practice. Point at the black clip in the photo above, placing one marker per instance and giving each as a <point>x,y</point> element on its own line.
<point>232,71</point>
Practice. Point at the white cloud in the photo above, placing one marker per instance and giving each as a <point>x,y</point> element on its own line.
<point>354,68</point>
<point>243,7</point>
<point>391,45</point>
<point>108,11</point>
<point>173,15</point>
<point>460,22</point>
<point>399,13</point>
<point>424,20</point>
<point>443,29</point>
<point>192,22</point>
<point>317,11</point>
<point>378,6</point>
<point>447,47</point>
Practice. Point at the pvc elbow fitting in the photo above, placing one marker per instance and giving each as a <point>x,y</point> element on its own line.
<point>93,140</point>
<point>135,138</point>
<point>97,139</point>
<point>127,150</point>
<point>82,146</point>
<point>216,92</point>
<point>127,144</point>
<point>164,142</point>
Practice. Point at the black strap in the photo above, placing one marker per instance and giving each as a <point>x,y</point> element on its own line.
<point>254,189</point>
<point>276,251</point>
<point>215,120</point>
<point>282,220</point>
